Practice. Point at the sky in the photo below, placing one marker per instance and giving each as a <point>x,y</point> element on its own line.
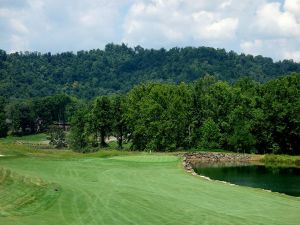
<point>259,27</point>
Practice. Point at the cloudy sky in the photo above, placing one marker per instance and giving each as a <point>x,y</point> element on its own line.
<point>259,27</point>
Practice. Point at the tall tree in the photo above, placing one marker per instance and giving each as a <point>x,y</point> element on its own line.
<point>119,126</point>
<point>22,116</point>
<point>210,135</point>
<point>78,138</point>
<point>281,105</point>
<point>3,124</point>
<point>102,118</point>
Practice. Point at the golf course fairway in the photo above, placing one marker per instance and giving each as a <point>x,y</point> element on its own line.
<point>139,189</point>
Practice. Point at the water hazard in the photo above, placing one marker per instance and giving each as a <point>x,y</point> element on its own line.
<point>277,179</point>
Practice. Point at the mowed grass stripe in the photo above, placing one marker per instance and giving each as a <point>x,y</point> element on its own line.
<point>21,195</point>
<point>145,189</point>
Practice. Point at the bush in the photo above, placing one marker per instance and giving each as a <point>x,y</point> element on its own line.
<point>57,137</point>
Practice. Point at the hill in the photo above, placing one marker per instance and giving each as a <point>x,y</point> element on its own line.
<point>117,68</point>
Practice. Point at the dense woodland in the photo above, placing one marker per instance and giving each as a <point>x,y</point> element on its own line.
<point>244,116</point>
<point>117,68</point>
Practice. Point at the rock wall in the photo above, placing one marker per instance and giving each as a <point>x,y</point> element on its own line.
<point>192,158</point>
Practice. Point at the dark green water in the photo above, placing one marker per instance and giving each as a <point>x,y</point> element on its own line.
<point>283,180</point>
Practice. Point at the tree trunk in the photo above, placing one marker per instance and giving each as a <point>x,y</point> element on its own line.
<point>102,141</point>
<point>120,142</point>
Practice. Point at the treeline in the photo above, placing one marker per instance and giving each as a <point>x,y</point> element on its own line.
<point>207,114</point>
<point>117,68</point>
<point>29,116</point>
<point>246,116</point>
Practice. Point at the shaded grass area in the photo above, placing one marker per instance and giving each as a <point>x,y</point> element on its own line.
<point>34,138</point>
<point>36,145</point>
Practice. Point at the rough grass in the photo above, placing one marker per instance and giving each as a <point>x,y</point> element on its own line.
<point>20,195</point>
<point>120,187</point>
<point>281,160</point>
<point>35,138</point>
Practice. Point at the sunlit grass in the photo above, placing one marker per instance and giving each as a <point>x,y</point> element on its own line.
<point>110,186</point>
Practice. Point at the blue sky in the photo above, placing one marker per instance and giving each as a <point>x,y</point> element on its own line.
<point>260,27</point>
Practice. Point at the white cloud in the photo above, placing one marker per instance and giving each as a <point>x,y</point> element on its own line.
<point>220,30</point>
<point>293,6</point>
<point>275,48</point>
<point>163,22</point>
<point>266,27</point>
<point>273,22</point>
<point>53,25</point>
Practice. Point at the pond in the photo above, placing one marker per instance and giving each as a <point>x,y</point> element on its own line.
<point>277,179</point>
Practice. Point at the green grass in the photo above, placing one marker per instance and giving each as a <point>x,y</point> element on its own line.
<point>21,195</point>
<point>47,186</point>
<point>281,160</point>
<point>131,188</point>
<point>34,138</point>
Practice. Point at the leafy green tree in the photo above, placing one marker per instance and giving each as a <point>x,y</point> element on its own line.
<point>22,116</point>
<point>78,137</point>
<point>158,116</point>
<point>210,135</point>
<point>117,68</point>
<point>102,118</point>
<point>281,105</point>
<point>119,127</point>
<point>3,124</point>
<point>243,121</point>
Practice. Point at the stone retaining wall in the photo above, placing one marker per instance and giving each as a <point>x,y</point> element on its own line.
<point>193,158</point>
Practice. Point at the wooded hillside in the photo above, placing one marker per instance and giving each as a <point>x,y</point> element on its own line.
<point>117,68</point>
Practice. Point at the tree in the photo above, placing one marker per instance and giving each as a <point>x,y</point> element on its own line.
<point>117,68</point>
<point>22,116</point>
<point>78,138</point>
<point>3,124</point>
<point>119,126</point>
<point>210,135</point>
<point>102,119</point>
<point>241,122</point>
<point>158,116</point>
<point>281,105</point>
<point>57,137</point>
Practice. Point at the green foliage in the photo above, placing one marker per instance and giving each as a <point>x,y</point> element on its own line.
<point>22,117</point>
<point>57,137</point>
<point>281,160</point>
<point>78,139</point>
<point>210,135</point>
<point>281,106</point>
<point>157,116</point>
<point>3,124</point>
<point>118,68</point>
<point>35,115</point>
<point>243,117</point>
<point>101,120</point>
<point>119,128</point>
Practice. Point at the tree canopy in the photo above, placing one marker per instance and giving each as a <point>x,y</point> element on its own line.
<point>207,114</point>
<point>117,68</point>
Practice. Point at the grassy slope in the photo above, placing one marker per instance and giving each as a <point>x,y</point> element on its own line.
<point>281,160</point>
<point>136,189</point>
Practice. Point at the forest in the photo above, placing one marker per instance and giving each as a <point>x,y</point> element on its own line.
<point>209,114</point>
<point>118,68</point>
